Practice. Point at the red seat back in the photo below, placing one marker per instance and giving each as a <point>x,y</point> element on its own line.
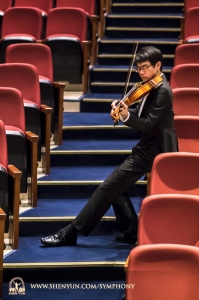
<point>186,101</point>
<point>3,146</point>
<point>187,130</point>
<point>186,54</point>
<point>164,271</point>
<point>88,6</point>
<point>44,5</point>
<point>190,4</point>
<point>191,23</point>
<point>23,77</point>
<point>169,219</point>
<point>184,76</point>
<point>75,25</point>
<point>12,108</point>
<point>22,20</point>
<point>175,173</point>
<point>38,55</point>
<point>5,4</point>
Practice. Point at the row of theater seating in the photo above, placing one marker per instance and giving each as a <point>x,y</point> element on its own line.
<point>73,43</point>
<point>68,33</point>
<point>25,80</point>
<point>91,6</point>
<point>167,255</point>
<point>28,68</point>
<point>38,95</point>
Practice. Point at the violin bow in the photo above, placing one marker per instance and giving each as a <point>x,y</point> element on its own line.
<point>130,70</point>
<point>128,74</point>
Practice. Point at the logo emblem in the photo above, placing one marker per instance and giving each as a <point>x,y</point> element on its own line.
<point>16,286</point>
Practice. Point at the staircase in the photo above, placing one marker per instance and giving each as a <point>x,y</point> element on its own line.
<point>90,151</point>
<point>156,24</point>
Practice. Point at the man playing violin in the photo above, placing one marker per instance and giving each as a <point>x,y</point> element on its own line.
<point>154,119</point>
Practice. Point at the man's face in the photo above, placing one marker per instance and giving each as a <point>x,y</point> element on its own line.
<point>148,71</point>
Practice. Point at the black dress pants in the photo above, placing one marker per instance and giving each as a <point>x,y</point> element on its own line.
<point>114,186</point>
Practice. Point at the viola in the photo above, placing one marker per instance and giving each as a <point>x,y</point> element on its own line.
<point>138,91</point>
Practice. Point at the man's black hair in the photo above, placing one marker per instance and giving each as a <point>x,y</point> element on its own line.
<point>150,53</point>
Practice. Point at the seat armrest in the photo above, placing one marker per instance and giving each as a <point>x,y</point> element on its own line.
<point>14,193</point>
<point>32,143</point>
<point>46,129</point>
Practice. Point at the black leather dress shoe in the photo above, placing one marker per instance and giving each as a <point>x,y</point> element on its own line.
<point>126,238</point>
<point>61,238</point>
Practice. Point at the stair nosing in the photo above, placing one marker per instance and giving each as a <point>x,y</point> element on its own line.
<point>144,16</point>
<point>80,152</point>
<point>74,127</point>
<point>97,100</point>
<point>63,264</point>
<point>78,182</point>
<point>133,41</point>
<point>149,4</point>
<point>113,55</point>
<point>58,219</point>
<point>114,69</point>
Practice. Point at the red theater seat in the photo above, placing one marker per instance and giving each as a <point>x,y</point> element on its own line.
<point>93,11</point>
<point>186,54</point>
<point>186,101</point>
<point>169,218</point>
<point>191,25</point>
<point>40,56</point>
<point>190,4</point>
<point>24,77</point>
<point>183,76</point>
<point>43,5</point>
<point>21,144</point>
<point>175,173</point>
<point>69,45</point>
<point>187,133</point>
<point>20,25</point>
<point>163,271</point>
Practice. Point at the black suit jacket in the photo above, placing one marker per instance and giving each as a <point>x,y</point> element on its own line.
<point>156,122</point>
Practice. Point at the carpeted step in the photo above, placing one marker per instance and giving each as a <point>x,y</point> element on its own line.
<point>84,146</point>
<point>118,74</point>
<point>93,125</point>
<point>68,208</point>
<point>125,59</point>
<point>86,119</point>
<point>140,20</point>
<point>86,158</point>
<point>142,32</point>
<point>80,189</point>
<point>145,8</point>
<point>78,174</point>
<point>91,102</point>
<point>92,248</point>
<point>126,46</point>
<point>92,152</point>
<point>100,78</point>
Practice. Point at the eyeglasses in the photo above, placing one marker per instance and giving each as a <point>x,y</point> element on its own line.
<point>143,68</point>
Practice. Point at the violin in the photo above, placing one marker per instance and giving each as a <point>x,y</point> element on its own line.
<point>138,91</point>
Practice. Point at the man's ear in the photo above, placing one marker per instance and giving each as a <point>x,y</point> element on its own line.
<point>158,64</point>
